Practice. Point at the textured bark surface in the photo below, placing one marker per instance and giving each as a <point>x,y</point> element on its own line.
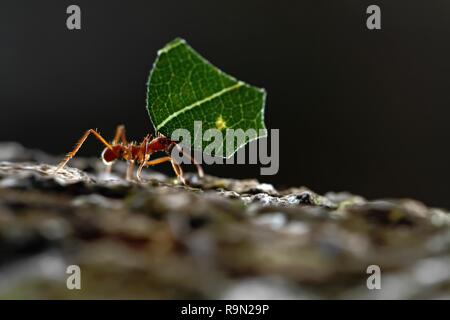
<point>217,238</point>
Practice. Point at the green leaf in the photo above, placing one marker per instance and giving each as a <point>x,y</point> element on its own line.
<point>183,87</point>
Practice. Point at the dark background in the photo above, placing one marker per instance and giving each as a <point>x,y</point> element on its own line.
<point>358,110</point>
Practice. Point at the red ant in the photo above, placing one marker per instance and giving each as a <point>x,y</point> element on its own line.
<point>134,153</point>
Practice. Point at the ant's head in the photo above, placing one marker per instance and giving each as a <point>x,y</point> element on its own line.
<point>160,143</point>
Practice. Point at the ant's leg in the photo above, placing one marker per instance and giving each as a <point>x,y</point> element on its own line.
<point>175,166</point>
<point>80,142</point>
<point>130,169</point>
<point>192,159</point>
<point>120,135</point>
<point>141,166</point>
<point>158,161</point>
<point>139,171</point>
<point>108,168</point>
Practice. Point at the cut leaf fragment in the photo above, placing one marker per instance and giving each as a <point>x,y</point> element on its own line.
<point>183,88</point>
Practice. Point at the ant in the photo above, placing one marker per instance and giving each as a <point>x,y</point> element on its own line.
<point>134,153</point>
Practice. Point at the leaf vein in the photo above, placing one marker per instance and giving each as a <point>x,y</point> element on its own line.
<point>200,102</point>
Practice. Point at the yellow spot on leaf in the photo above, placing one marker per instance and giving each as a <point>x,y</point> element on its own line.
<point>220,123</point>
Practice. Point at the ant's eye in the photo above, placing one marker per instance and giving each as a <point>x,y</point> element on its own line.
<point>108,156</point>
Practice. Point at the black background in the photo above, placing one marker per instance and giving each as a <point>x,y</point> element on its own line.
<point>358,110</point>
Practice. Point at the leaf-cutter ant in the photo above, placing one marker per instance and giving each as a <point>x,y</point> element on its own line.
<point>134,153</point>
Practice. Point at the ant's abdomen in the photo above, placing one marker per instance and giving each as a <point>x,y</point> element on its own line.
<point>108,155</point>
